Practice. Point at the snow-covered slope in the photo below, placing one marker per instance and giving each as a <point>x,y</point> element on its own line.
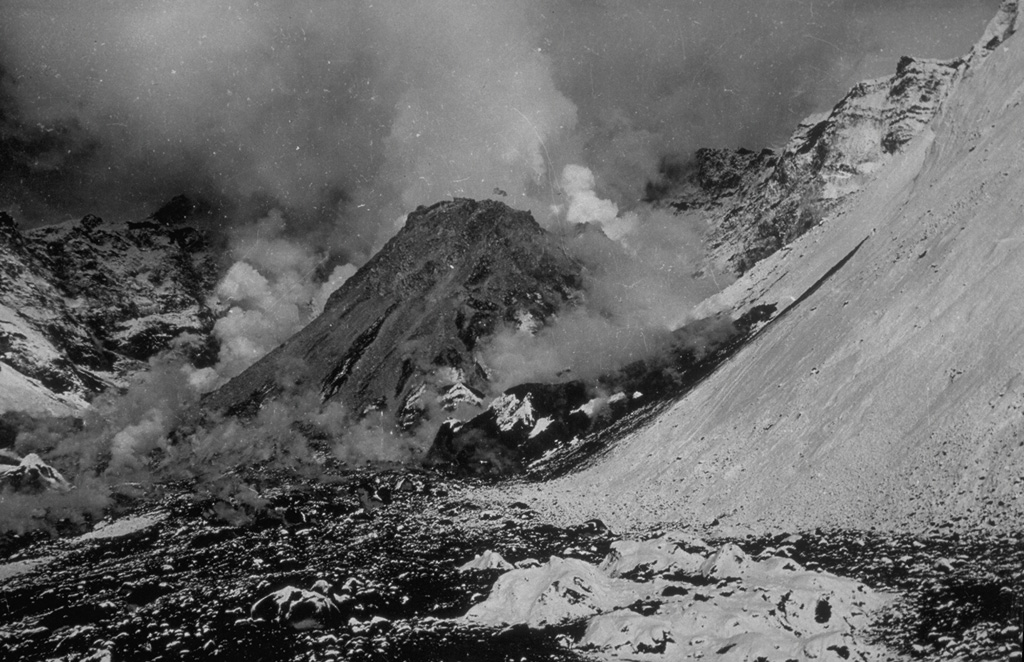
<point>889,391</point>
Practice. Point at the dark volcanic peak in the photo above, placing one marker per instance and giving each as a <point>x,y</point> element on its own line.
<point>399,337</point>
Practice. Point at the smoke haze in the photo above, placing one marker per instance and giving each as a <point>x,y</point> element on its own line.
<point>347,115</point>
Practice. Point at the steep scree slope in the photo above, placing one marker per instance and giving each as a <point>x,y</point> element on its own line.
<point>892,396</point>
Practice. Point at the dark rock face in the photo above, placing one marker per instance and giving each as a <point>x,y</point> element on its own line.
<point>757,202</point>
<point>399,336</point>
<point>82,305</point>
<point>519,427</point>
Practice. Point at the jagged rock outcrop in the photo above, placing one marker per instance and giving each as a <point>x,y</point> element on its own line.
<point>518,427</point>
<point>757,202</point>
<point>84,304</point>
<point>399,337</point>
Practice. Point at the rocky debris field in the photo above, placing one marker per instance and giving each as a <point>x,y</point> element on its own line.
<point>960,596</point>
<point>413,566</point>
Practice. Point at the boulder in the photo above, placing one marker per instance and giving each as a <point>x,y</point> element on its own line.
<point>296,607</point>
<point>487,561</point>
<point>556,593</point>
<point>32,475</point>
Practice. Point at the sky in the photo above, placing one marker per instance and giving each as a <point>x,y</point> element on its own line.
<point>345,116</point>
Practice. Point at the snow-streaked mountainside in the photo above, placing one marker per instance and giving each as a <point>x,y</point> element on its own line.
<point>85,304</point>
<point>888,391</point>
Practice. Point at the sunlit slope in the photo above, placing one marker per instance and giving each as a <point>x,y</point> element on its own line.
<point>894,393</point>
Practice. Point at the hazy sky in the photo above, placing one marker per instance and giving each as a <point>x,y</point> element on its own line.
<point>345,115</point>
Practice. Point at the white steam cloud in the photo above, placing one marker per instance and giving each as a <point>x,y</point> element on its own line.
<point>642,281</point>
<point>268,294</point>
<point>344,116</point>
<point>586,207</point>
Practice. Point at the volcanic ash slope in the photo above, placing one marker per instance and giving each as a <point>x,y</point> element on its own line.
<point>892,394</point>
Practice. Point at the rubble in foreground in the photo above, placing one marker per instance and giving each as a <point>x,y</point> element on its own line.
<point>370,566</point>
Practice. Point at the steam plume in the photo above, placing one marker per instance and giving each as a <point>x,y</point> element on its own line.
<point>268,294</point>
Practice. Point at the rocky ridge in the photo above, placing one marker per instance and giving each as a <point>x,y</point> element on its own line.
<point>757,202</point>
<point>85,304</point>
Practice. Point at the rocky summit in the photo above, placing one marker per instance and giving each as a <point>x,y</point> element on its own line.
<point>398,338</point>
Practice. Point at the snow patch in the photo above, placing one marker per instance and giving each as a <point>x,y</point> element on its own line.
<point>588,408</point>
<point>459,394</point>
<point>560,591</point>
<point>25,394</point>
<point>189,318</point>
<point>18,568</point>
<point>510,411</point>
<point>526,322</point>
<point>122,527</point>
<point>725,605</point>
<point>541,425</point>
<point>32,474</point>
<point>489,560</point>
